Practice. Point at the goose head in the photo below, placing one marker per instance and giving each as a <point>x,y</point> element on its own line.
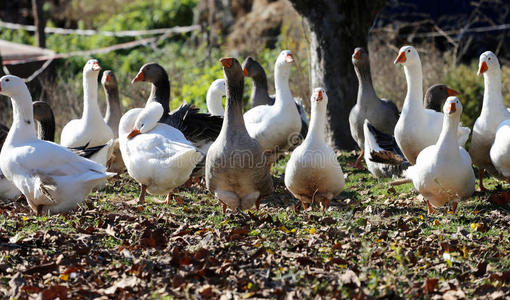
<point>319,97</point>
<point>452,107</point>
<point>285,58</point>
<point>147,119</point>
<point>217,87</point>
<point>488,64</point>
<point>232,71</point>
<point>91,68</point>
<point>441,91</point>
<point>11,85</point>
<point>252,68</point>
<point>214,97</point>
<point>360,57</point>
<point>407,55</point>
<point>109,80</point>
<point>42,111</point>
<point>151,72</point>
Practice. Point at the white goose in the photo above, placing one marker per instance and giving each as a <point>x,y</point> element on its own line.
<point>275,126</point>
<point>52,178</point>
<point>417,126</point>
<point>156,155</point>
<point>91,130</point>
<point>8,191</point>
<point>500,150</point>
<point>443,171</point>
<point>313,172</point>
<point>493,113</point>
<point>214,98</point>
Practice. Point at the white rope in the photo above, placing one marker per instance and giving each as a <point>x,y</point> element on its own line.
<point>120,46</point>
<point>39,71</point>
<point>48,59</point>
<point>89,32</point>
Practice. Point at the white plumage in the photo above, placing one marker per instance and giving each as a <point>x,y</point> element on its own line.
<point>156,155</point>
<point>52,178</point>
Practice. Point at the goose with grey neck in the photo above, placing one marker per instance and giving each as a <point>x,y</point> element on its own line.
<point>90,131</point>
<point>259,92</point>
<point>443,172</point>
<point>417,126</point>
<point>112,118</point>
<point>492,114</point>
<point>436,96</point>
<point>313,172</point>
<point>199,128</point>
<point>276,127</point>
<point>113,111</point>
<point>381,113</point>
<point>51,177</point>
<point>236,167</point>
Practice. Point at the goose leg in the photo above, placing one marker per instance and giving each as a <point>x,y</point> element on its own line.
<point>430,208</point>
<point>358,164</point>
<point>143,190</point>
<point>480,178</point>
<point>257,204</point>
<point>223,207</point>
<point>454,206</point>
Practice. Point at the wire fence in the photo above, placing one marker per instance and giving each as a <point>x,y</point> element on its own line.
<point>163,34</point>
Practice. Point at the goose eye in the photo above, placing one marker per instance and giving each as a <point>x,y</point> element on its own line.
<point>7,79</point>
<point>409,51</point>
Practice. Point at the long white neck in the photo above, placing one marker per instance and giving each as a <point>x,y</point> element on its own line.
<point>414,97</point>
<point>316,131</point>
<point>90,107</point>
<point>281,80</point>
<point>447,141</point>
<point>492,97</point>
<point>214,102</point>
<point>23,128</point>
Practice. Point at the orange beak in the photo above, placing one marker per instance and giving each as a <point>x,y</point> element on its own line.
<point>401,58</point>
<point>452,92</point>
<point>133,133</point>
<point>357,55</point>
<point>96,67</point>
<point>319,96</point>
<point>451,109</point>
<point>226,62</point>
<point>289,58</point>
<point>245,71</point>
<point>108,78</point>
<point>139,77</point>
<point>483,68</point>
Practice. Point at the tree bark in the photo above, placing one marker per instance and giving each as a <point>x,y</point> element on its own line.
<point>336,28</point>
<point>39,23</point>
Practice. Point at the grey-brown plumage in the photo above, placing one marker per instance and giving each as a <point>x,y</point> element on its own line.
<point>236,167</point>
<point>436,96</point>
<point>113,111</point>
<point>381,113</point>
<point>43,114</point>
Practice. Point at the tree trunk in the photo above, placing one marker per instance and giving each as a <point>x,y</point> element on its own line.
<point>39,23</point>
<point>336,28</point>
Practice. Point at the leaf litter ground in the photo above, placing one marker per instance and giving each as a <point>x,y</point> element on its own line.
<point>373,242</point>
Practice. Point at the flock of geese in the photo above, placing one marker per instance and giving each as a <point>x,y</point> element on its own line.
<point>163,149</point>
